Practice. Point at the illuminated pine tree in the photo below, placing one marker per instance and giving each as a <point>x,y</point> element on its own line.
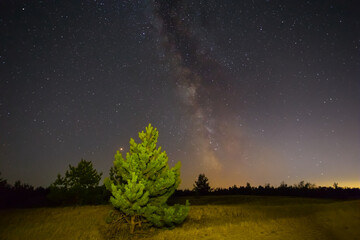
<point>142,183</point>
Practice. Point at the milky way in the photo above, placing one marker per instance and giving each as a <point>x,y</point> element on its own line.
<point>204,85</point>
<point>200,80</point>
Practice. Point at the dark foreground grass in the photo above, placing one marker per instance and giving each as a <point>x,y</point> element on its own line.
<point>213,217</point>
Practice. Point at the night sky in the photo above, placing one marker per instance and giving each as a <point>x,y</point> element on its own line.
<point>243,91</point>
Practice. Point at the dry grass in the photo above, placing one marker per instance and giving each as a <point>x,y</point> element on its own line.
<point>230,217</point>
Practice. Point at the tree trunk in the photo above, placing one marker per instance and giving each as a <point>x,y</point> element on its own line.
<point>132,224</point>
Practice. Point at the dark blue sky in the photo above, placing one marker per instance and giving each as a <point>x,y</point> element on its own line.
<point>243,91</point>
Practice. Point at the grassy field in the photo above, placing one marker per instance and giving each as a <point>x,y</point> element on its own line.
<point>215,217</point>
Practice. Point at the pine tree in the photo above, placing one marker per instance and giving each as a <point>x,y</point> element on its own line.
<point>83,175</point>
<point>142,183</point>
<point>78,186</point>
<point>202,185</point>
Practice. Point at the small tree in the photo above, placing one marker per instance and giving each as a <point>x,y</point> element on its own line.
<point>83,175</point>
<point>77,186</point>
<point>142,183</point>
<point>202,185</point>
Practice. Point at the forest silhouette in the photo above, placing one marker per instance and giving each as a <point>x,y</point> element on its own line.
<point>22,195</point>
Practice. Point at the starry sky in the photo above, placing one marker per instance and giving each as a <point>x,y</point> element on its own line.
<point>243,91</point>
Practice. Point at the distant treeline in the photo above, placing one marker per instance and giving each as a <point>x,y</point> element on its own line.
<point>301,189</point>
<point>80,186</point>
<point>24,196</point>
